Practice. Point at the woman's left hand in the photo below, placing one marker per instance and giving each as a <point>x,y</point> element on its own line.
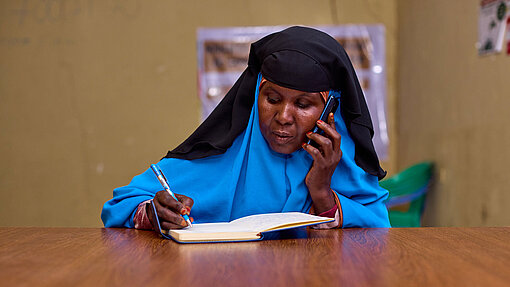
<point>325,160</point>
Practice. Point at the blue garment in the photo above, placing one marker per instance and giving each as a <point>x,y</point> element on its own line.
<point>250,178</point>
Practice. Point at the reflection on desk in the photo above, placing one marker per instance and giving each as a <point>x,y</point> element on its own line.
<point>353,257</point>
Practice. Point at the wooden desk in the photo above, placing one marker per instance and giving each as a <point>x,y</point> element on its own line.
<point>356,257</point>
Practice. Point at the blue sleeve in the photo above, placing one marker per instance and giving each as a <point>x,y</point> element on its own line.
<point>365,209</point>
<point>120,210</point>
<point>358,215</point>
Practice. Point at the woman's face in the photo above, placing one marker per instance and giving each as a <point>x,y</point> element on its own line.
<point>286,115</point>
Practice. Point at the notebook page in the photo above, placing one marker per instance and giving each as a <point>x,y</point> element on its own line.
<point>213,228</point>
<point>261,222</point>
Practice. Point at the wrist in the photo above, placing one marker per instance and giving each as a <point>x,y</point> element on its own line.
<point>323,199</point>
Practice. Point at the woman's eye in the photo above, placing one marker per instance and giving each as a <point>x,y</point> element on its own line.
<point>272,100</point>
<point>302,105</point>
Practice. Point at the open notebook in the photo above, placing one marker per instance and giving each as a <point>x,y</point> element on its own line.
<point>247,228</point>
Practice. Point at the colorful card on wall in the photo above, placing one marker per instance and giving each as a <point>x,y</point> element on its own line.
<point>508,35</point>
<point>492,25</point>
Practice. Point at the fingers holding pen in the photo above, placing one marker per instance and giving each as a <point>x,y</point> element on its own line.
<point>170,211</point>
<point>166,200</point>
<point>187,202</point>
<point>181,206</point>
<point>171,225</point>
<point>168,206</point>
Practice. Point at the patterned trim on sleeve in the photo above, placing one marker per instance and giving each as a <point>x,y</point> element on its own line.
<point>141,220</point>
<point>329,225</point>
<point>340,213</point>
<point>335,212</point>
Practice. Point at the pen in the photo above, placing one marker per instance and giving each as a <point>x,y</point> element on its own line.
<point>162,179</point>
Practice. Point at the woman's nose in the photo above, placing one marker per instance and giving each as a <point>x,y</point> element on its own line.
<point>285,115</point>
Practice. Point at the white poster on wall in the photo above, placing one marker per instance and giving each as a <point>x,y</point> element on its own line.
<point>223,56</point>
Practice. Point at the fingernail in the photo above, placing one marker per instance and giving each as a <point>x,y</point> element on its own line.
<point>183,211</point>
<point>308,133</point>
<point>184,223</point>
<point>188,209</point>
<point>191,219</point>
<point>303,145</point>
<point>320,122</point>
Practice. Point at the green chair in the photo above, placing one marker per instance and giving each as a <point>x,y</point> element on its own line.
<point>408,190</point>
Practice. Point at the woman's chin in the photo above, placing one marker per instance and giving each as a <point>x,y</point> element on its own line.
<point>284,148</point>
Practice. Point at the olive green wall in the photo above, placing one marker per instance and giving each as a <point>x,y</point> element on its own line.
<point>92,91</point>
<point>453,109</point>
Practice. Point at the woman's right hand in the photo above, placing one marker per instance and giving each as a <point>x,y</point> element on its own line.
<point>169,210</point>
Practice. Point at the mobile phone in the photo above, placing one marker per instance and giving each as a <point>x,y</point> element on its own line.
<point>330,107</point>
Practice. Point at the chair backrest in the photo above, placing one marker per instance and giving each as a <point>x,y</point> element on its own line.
<point>407,192</point>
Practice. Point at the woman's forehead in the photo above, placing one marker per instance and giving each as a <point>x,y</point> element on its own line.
<point>267,86</point>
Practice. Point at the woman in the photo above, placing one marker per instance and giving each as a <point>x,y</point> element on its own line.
<point>248,156</point>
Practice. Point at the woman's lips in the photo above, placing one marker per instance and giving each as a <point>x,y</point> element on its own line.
<point>282,137</point>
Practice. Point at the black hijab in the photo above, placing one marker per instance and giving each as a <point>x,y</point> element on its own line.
<point>299,58</point>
